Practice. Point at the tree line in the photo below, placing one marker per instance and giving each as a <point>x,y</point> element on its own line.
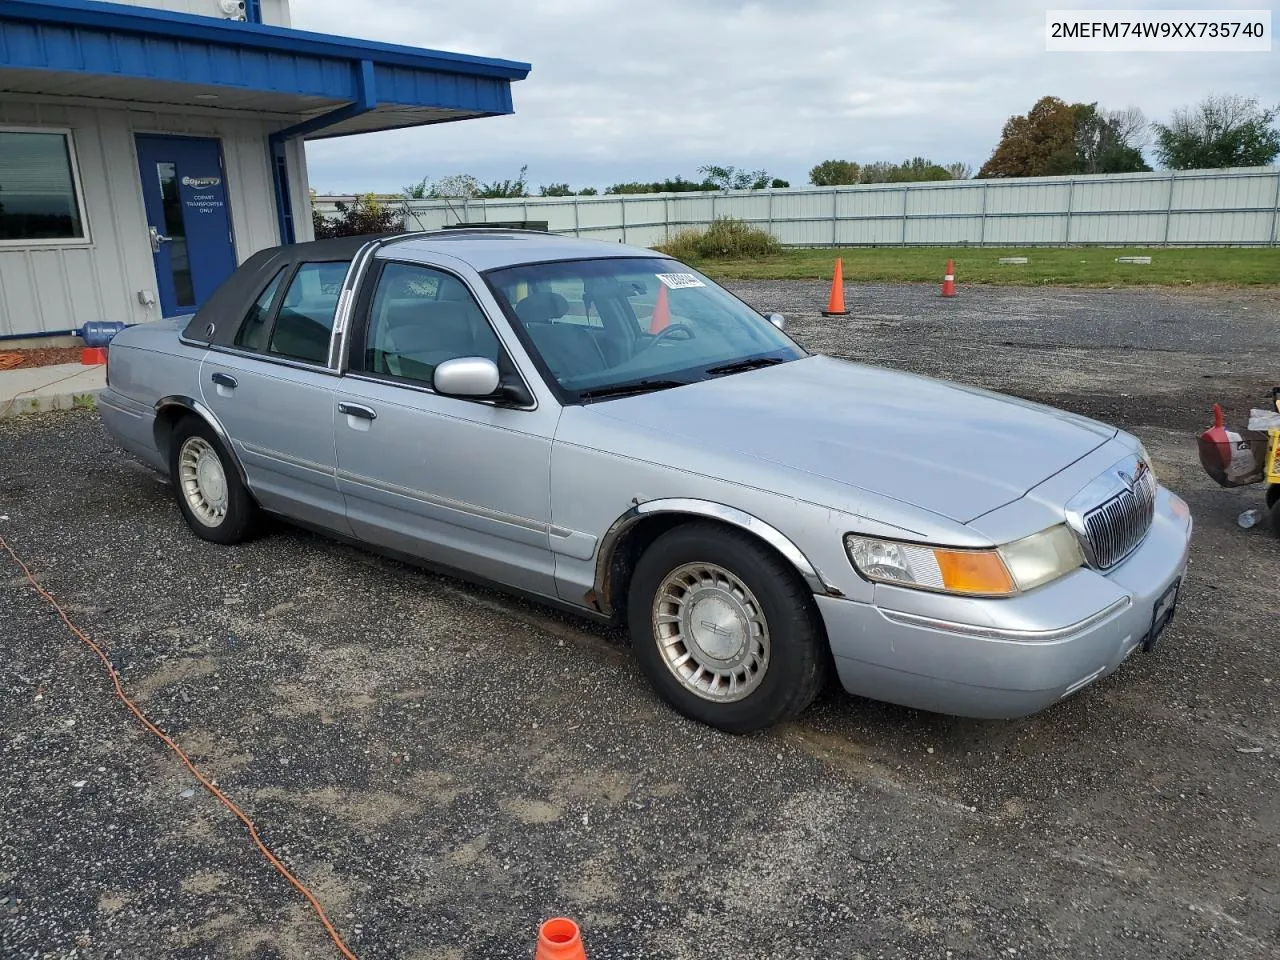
<point>835,173</point>
<point>464,186</point>
<point>1053,138</point>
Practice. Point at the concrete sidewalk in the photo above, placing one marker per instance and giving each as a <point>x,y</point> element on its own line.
<point>60,387</point>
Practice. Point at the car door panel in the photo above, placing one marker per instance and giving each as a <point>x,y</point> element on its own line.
<point>280,419</point>
<point>271,387</point>
<point>458,482</point>
<point>461,482</point>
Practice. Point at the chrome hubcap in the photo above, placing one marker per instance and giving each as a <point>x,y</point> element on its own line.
<point>203,481</point>
<point>711,631</point>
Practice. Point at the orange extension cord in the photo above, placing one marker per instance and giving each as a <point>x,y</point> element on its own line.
<point>168,741</point>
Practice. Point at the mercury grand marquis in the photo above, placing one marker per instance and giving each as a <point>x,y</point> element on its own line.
<point>606,429</point>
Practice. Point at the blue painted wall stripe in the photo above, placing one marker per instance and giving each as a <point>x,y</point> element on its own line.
<point>81,50</point>
<point>152,22</point>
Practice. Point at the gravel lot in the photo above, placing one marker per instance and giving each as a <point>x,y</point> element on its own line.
<point>446,766</point>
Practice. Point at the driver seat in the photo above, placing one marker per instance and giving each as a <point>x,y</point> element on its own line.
<point>569,349</point>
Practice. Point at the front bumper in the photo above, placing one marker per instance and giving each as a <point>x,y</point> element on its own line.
<point>1011,657</point>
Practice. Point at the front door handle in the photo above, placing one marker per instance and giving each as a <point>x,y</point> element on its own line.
<point>358,410</point>
<point>224,380</point>
<point>157,238</point>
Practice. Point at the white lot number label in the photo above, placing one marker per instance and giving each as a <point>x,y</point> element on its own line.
<point>1158,31</point>
<point>678,281</point>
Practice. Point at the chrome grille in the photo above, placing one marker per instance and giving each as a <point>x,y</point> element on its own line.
<point>1115,527</point>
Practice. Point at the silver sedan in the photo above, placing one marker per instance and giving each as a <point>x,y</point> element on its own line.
<point>608,430</point>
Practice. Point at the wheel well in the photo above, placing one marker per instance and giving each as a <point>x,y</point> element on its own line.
<point>637,538</point>
<point>166,419</point>
<point>634,541</point>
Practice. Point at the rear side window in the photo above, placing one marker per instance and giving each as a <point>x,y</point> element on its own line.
<point>256,328</point>
<point>305,319</point>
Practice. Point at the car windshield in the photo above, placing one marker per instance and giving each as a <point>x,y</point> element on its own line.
<point>615,326</point>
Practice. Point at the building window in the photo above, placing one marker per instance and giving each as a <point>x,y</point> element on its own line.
<point>39,196</point>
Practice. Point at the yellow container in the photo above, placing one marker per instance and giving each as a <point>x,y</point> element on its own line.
<point>1273,457</point>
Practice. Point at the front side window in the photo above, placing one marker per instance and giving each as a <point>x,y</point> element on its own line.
<point>419,318</point>
<point>611,326</point>
<point>305,320</point>
<point>38,199</point>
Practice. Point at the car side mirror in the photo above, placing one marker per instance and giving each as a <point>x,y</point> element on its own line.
<point>466,377</point>
<point>778,320</point>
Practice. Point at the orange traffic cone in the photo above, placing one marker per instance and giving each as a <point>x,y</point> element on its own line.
<point>835,305</point>
<point>661,312</point>
<point>559,939</point>
<point>949,280</point>
<point>92,356</point>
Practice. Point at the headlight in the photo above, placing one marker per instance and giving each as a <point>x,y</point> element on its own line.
<point>997,572</point>
<point>1042,557</point>
<point>975,572</point>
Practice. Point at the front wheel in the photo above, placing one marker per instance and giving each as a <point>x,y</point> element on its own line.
<point>215,503</point>
<point>724,629</point>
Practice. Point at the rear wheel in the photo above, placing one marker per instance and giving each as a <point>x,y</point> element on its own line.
<point>213,500</point>
<point>724,628</point>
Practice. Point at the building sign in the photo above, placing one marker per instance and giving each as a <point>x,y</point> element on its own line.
<point>203,203</point>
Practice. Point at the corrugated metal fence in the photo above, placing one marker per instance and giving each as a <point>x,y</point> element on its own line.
<point>1237,207</point>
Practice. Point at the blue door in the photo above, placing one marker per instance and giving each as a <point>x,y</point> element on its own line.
<point>185,192</point>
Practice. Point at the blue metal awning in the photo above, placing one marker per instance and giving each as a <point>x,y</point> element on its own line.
<point>325,86</point>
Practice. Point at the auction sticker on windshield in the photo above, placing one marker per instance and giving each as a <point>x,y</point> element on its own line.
<point>678,281</point>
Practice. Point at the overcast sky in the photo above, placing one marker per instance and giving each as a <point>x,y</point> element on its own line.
<point>646,89</point>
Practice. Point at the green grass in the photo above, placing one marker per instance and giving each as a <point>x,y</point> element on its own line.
<point>1075,266</point>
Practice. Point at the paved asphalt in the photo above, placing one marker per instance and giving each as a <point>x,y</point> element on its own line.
<point>445,766</point>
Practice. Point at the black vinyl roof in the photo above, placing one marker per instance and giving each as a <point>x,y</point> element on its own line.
<point>217,321</point>
<point>484,248</point>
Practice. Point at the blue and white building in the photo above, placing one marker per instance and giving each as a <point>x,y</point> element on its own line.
<point>149,146</point>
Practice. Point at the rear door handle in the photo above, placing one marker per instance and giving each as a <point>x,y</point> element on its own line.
<point>224,380</point>
<point>358,410</point>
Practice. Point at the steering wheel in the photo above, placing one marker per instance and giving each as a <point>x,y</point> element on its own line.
<point>668,332</point>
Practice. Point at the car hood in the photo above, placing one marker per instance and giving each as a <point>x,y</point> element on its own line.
<point>957,451</point>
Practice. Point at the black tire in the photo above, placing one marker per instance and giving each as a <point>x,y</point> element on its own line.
<point>798,660</point>
<point>241,520</point>
<point>1275,516</point>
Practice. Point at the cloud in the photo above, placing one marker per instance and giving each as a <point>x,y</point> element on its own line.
<point>622,90</point>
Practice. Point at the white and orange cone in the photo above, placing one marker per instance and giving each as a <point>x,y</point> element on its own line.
<point>949,280</point>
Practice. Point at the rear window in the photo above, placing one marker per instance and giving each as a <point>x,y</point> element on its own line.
<point>256,327</point>
<point>304,322</point>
